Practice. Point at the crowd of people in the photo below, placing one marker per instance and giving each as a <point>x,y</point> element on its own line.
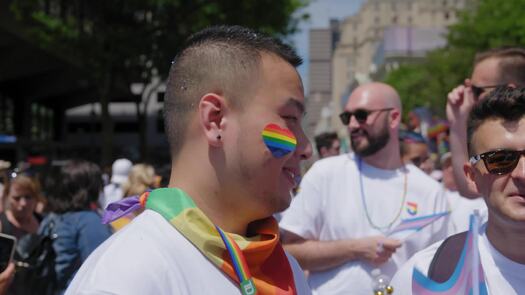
<point>233,108</point>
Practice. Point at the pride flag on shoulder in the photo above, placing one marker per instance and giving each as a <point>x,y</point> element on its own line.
<point>468,277</point>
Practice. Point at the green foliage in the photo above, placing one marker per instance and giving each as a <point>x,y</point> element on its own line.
<point>483,25</point>
<point>135,39</point>
<point>119,42</point>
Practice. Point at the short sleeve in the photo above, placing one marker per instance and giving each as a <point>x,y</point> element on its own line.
<point>304,216</point>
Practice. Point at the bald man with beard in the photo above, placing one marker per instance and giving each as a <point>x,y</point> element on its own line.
<point>338,226</point>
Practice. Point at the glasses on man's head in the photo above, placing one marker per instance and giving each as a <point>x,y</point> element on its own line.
<point>360,115</point>
<point>499,162</point>
<point>477,91</point>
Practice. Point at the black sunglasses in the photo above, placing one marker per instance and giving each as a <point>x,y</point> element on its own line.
<point>478,90</point>
<point>360,115</point>
<point>499,162</point>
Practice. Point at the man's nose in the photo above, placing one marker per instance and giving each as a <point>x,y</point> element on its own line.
<point>519,172</point>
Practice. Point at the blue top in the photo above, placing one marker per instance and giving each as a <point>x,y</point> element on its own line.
<point>78,234</point>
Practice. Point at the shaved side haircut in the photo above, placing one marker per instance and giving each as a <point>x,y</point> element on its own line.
<point>224,60</point>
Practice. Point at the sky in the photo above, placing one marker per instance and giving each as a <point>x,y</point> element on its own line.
<point>320,11</point>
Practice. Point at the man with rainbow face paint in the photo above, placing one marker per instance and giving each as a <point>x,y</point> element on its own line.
<point>359,216</point>
<point>495,170</point>
<point>233,111</point>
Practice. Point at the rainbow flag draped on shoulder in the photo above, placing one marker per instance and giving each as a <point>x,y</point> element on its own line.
<point>468,277</point>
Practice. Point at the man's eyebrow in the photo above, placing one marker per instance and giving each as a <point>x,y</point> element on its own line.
<point>299,105</point>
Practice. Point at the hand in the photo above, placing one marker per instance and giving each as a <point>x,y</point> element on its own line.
<point>6,277</point>
<point>459,103</point>
<point>376,250</point>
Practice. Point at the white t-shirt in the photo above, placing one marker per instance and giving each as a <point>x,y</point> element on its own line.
<point>461,209</point>
<point>112,193</point>
<point>329,207</point>
<point>503,276</point>
<point>149,256</point>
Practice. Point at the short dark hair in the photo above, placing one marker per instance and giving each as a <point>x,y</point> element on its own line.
<point>74,186</point>
<point>506,103</point>
<point>325,140</point>
<point>511,63</point>
<point>222,59</point>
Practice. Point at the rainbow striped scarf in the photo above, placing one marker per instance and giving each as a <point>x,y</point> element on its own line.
<point>264,255</point>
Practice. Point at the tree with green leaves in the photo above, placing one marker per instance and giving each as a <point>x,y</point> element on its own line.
<point>484,24</point>
<point>119,42</point>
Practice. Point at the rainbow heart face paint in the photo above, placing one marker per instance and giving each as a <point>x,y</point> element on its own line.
<point>280,141</point>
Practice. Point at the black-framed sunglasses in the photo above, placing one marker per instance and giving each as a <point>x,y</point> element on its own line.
<point>479,90</point>
<point>360,115</point>
<point>499,162</point>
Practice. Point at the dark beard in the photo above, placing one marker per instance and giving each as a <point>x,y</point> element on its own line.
<point>375,143</point>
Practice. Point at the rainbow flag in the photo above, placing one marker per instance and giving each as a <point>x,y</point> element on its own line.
<point>239,263</point>
<point>411,225</point>
<point>280,141</point>
<point>437,129</point>
<point>468,277</point>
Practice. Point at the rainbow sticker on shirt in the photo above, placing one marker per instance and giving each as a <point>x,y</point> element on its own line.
<point>280,141</point>
<point>412,208</point>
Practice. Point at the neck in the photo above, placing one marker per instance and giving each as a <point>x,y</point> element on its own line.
<point>199,180</point>
<point>508,240</point>
<point>21,220</point>
<point>387,158</point>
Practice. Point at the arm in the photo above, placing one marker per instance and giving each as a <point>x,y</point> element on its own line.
<point>6,277</point>
<point>460,102</point>
<point>322,255</point>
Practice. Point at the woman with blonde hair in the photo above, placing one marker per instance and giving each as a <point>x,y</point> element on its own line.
<point>21,196</point>
<point>140,179</point>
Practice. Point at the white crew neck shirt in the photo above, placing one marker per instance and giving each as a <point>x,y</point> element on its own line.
<point>149,256</point>
<point>329,206</point>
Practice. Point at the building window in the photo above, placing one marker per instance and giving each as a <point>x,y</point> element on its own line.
<point>41,122</point>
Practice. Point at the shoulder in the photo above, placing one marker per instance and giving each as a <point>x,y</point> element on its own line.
<point>421,180</point>
<point>137,253</point>
<point>330,166</point>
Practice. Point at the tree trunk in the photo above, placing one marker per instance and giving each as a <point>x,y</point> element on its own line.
<point>107,122</point>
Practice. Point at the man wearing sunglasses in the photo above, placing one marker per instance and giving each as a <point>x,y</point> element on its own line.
<point>338,225</point>
<point>496,170</point>
<point>493,68</point>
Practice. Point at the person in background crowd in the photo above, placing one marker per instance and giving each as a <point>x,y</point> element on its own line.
<point>73,190</point>
<point>495,170</point>
<point>22,195</point>
<point>414,149</point>
<point>492,68</point>
<point>327,144</point>
<point>140,179</point>
<point>119,174</point>
<point>338,225</point>
<point>233,108</point>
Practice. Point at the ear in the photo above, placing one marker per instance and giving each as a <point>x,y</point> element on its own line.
<point>470,172</point>
<point>322,151</point>
<point>211,114</point>
<point>395,118</point>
